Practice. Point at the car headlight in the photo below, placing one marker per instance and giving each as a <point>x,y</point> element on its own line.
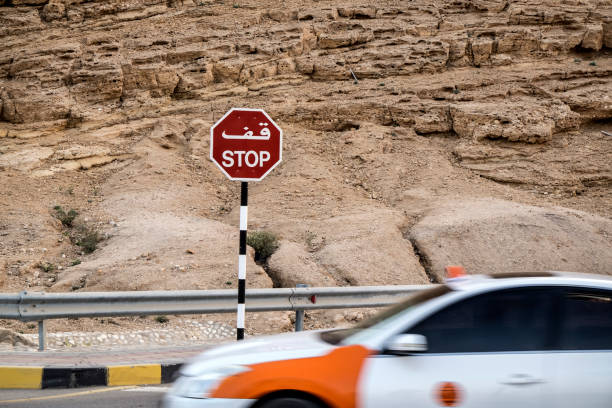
<point>201,385</point>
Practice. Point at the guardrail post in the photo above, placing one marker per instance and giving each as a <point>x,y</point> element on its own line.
<point>41,335</point>
<point>299,314</point>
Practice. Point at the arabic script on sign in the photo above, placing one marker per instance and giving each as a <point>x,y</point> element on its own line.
<point>264,134</point>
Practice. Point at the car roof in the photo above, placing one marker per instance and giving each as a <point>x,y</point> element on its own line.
<point>509,280</point>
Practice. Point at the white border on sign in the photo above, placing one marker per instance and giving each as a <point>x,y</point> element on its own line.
<point>280,154</point>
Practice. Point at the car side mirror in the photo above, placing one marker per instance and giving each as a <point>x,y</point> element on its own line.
<point>402,344</point>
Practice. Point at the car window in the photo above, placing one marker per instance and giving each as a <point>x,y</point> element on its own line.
<point>507,320</point>
<point>587,320</point>
<point>359,333</point>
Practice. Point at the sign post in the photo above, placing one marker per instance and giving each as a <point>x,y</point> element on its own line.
<point>244,210</point>
<point>246,145</point>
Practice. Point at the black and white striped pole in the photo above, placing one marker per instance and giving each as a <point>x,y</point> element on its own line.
<point>244,213</point>
<point>246,145</point>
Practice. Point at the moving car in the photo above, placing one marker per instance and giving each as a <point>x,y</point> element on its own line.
<point>536,340</point>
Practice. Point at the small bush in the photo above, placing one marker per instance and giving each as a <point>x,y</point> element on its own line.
<point>66,218</point>
<point>88,240</point>
<point>162,319</point>
<point>75,262</point>
<point>46,266</point>
<point>264,243</point>
<point>593,63</point>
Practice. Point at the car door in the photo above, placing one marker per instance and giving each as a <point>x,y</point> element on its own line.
<point>485,351</point>
<point>582,370</point>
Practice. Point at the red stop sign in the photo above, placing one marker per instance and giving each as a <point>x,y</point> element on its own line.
<point>246,144</point>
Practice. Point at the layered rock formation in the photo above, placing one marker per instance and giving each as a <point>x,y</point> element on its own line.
<point>389,110</point>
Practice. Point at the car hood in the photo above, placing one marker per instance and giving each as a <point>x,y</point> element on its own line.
<point>259,350</point>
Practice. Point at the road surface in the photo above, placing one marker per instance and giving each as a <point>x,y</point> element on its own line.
<point>94,397</point>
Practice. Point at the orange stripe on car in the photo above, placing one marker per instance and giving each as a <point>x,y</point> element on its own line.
<point>332,377</point>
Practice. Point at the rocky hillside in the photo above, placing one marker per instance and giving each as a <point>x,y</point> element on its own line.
<point>418,134</point>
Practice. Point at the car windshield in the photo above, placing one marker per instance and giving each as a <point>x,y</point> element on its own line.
<point>386,316</point>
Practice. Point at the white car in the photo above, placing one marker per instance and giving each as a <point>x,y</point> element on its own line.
<point>538,340</point>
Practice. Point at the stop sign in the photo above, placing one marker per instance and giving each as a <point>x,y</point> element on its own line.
<point>246,144</point>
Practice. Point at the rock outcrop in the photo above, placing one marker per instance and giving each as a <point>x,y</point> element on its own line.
<point>9,336</point>
<point>496,236</point>
<point>391,112</point>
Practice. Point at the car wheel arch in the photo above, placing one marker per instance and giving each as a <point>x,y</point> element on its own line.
<point>302,395</point>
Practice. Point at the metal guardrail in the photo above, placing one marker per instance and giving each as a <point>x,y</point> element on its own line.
<point>9,306</point>
<point>41,306</point>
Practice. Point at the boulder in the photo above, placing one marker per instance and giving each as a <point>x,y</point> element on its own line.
<point>162,251</point>
<point>373,251</point>
<point>22,105</point>
<point>357,12</point>
<point>593,38</point>
<point>25,159</point>
<point>12,338</point>
<point>292,264</point>
<point>494,236</point>
<point>54,10</point>
<point>534,124</point>
<point>607,35</point>
<point>169,134</point>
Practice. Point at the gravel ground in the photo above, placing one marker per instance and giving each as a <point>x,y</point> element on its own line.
<point>130,332</point>
<point>189,333</point>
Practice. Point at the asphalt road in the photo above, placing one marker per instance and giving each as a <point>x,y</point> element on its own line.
<point>94,397</point>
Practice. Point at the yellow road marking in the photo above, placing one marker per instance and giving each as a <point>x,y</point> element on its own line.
<point>21,377</point>
<point>134,375</point>
<point>73,394</point>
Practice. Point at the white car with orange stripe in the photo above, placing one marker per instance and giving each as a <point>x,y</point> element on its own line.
<point>543,340</point>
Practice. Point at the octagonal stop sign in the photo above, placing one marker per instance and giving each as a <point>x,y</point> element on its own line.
<point>246,144</point>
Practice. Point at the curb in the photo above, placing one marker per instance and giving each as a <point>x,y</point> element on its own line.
<point>72,377</point>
